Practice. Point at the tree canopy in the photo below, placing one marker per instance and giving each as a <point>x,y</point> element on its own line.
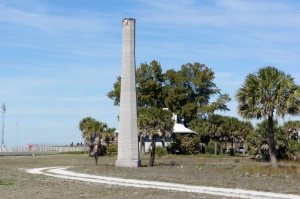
<point>187,92</point>
<point>150,83</point>
<point>221,128</point>
<point>92,128</point>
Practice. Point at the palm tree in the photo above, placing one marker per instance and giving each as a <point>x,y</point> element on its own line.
<point>92,130</point>
<point>154,122</point>
<point>108,134</point>
<point>265,94</point>
<point>85,125</point>
<point>215,129</point>
<point>292,128</point>
<point>231,125</point>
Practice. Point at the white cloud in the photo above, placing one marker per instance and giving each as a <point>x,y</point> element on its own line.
<point>224,13</point>
<point>48,22</point>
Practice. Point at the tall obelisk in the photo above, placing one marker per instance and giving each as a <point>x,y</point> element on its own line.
<point>128,153</point>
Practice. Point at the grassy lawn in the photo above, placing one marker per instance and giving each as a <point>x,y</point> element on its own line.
<point>237,172</point>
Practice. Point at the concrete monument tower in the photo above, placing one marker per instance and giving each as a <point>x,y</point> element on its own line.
<point>128,154</point>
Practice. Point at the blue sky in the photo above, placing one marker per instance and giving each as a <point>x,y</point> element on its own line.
<point>59,59</point>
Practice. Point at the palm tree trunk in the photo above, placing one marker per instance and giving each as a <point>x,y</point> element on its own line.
<point>84,150</point>
<point>163,142</point>
<point>141,147</point>
<point>231,149</point>
<point>144,147</point>
<point>222,147</point>
<point>142,144</point>
<point>152,153</point>
<point>271,141</point>
<point>216,148</point>
<point>90,150</point>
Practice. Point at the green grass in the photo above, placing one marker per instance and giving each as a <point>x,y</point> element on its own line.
<point>271,171</point>
<point>200,165</point>
<point>208,155</point>
<point>73,152</point>
<point>5,183</point>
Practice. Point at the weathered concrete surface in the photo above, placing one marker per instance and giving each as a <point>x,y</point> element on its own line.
<point>128,154</point>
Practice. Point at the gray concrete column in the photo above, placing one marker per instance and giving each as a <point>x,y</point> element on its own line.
<point>128,153</point>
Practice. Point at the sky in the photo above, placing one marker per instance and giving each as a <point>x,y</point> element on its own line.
<point>59,59</point>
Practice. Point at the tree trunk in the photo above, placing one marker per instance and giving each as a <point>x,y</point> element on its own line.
<point>90,151</point>
<point>144,146</point>
<point>231,149</point>
<point>96,158</point>
<point>163,142</point>
<point>84,147</point>
<point>142,142</point>
<point>271,142</point>
<point>222,147</point>
<point>216,148</point>
<point>152,153</point>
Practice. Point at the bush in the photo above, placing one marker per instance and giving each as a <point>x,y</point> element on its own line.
<point>184,144</point>
<point>258,143</point>
<point>112,149</point>
<point>190,144</point>
<point>174,147</point>
<point>160,151</point>
<point>210,148</point>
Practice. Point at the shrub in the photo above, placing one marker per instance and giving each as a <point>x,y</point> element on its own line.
<point>160,151</point>
<point>174,147</point>
<point>210,148</point>
<point>190,144</point>
<point>112,149</point>
<point>184,144</point>
<point>258,143</point>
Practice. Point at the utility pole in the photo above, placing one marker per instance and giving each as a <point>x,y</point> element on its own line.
<point>3,123</point>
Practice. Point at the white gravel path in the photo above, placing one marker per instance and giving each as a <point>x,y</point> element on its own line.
<point>61,172</point>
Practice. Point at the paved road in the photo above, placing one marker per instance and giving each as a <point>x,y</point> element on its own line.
<point>61,172</point>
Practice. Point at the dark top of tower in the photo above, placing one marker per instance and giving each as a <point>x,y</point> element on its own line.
<point>129,19</point>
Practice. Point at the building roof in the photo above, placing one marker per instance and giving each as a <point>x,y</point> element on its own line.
<point>180,128</point>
